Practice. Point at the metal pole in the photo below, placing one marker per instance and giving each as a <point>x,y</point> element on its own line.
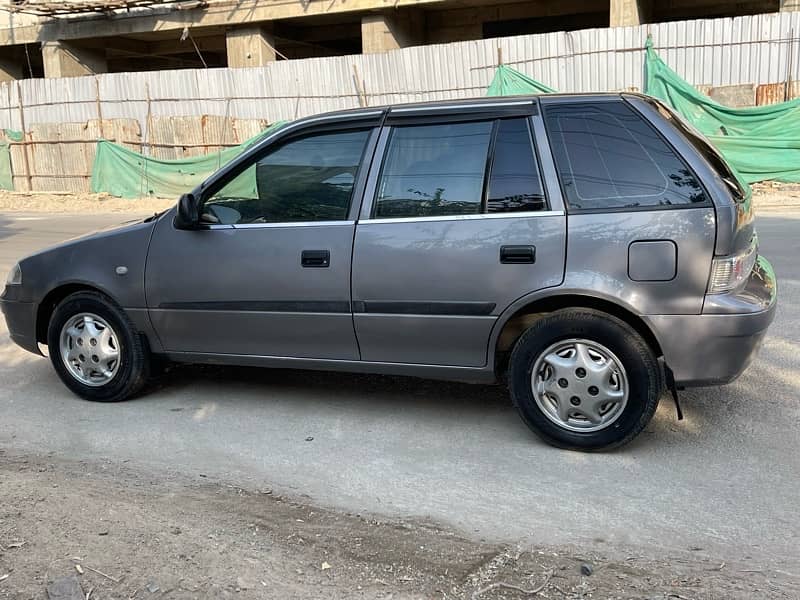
<point>789,64</point>
<point>145,157</point>
<point>25,159</point>
<point>99,108</point>
<point>362,94</point>
<point>223,132</point>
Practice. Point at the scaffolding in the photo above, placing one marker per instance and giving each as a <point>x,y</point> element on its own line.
<point>46,8</point>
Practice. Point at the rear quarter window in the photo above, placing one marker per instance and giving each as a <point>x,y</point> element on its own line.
<point>609,158</point>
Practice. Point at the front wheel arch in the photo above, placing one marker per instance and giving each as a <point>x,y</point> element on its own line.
<point>52,299</point>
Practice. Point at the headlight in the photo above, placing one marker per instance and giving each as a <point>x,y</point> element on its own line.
<point>14,276</point>
<point>728,272</point>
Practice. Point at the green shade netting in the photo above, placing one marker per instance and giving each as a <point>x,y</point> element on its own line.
<point>761,143</point>
<point>128,174</point>
<point>13,134</point>
<point>6,178</point>
<point>6,174</point>
<point>510,82</point>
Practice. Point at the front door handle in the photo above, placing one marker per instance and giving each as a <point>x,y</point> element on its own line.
<point>518,255</point>
<point>316,258</point>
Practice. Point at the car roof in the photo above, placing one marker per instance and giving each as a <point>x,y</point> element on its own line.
<point>487,103</point>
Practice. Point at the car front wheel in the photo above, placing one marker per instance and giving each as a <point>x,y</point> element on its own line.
<point>584,380</point>
<point>95,349</point>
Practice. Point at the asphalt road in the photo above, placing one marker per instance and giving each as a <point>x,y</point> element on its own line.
<point>725,480</point>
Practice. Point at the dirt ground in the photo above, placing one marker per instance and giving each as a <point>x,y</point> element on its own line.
<point>77,203</point>
<point>765,195</point>
<point>771,194</point>
<point>124,534</point>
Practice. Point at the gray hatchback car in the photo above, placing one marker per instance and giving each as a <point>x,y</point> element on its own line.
<point>591,250</point>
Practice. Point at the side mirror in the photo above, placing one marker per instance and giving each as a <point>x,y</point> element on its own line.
<point>188,216</point>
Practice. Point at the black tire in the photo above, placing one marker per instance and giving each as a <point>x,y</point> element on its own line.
<point>644,374</point>
<point>134,363</point>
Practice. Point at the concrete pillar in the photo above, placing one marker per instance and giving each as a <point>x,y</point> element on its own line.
<point>381,32</point>
<point>789,5</point>
<point>624,13</point>
<point>63,59</point>
<point>250,46</point>
<point>10,69</point>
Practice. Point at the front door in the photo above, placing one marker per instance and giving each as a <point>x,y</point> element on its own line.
<point>457,227</point>
<point>270,275</point>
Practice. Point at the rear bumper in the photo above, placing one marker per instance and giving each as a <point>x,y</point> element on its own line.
<point>21,321</point>
<point>717,346</point>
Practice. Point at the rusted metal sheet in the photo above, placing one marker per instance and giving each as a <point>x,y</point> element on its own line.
<point>704,89</point>
<point>770,93</point>
<point>182,137</point>
<point>62,154</point>
<point>735,96</point>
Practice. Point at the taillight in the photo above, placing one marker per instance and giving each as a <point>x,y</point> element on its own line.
<point>729,272</point>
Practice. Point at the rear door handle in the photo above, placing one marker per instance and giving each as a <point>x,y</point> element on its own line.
<point>518,255</point>
<point>316,258</point>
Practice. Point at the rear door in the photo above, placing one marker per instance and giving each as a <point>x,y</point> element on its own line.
<point>457,223</point>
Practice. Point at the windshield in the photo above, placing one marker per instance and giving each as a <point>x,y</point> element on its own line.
<point>738,186</point>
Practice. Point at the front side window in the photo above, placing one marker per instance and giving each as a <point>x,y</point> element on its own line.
<point>306,179</point>
<point>608,157</point>
<point>434,170</point>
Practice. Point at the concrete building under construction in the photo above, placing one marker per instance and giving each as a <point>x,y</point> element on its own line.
<point>44,38</point>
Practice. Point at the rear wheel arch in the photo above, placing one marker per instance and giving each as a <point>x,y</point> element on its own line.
<point>525,316</point>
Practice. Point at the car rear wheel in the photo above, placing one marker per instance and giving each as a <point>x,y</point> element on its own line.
<point>95,349</point>
<point>584,380</point>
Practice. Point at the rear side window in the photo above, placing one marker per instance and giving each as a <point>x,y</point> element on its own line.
<point>433,170</point>
<point>608,157</point>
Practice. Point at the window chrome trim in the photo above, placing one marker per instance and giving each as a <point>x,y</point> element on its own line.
<point>291,224</point>
<point>506,215</point>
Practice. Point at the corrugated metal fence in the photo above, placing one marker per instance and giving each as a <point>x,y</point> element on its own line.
<point>752,49</point>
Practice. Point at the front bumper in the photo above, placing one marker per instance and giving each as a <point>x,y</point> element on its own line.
<point>20,319</point>
<point>715,347</point>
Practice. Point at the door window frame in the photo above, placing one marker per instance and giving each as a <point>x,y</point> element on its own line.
<point>540,146</point>
<point>368,121</point>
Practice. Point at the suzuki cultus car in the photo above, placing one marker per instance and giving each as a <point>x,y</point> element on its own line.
<point>591,250</point>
